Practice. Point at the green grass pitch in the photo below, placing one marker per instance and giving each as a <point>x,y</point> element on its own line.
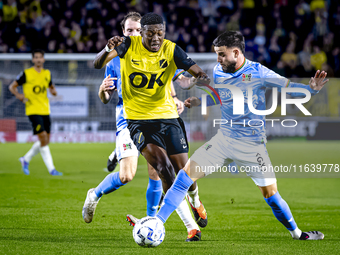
<point>41,214</point>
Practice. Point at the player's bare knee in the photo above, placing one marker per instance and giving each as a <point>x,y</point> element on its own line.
<point>128,168</point>
<point>269,194</point>
<point>269,190</point>
<point>193,170</point>
<point>43,138</point>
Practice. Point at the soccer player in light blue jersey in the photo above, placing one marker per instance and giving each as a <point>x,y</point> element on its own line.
<point>243,142</point>
<point>126,152</point>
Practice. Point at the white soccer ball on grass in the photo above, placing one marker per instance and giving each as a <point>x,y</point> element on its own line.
<point>149,232</point>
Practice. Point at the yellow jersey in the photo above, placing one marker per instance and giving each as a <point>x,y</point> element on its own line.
<point>146,78</point>
<point>35,87</point>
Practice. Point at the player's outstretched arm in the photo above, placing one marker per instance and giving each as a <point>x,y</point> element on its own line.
<point>13,87</point>
<point>200,77</point>
<point>53,91</point>
<point>197,72</point>
<point>108,52</point>
<point>184,82</point>
<point>318,81</point>
<point>187,83</point>
<point>106,89</point>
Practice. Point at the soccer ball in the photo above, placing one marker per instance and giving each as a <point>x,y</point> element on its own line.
<point>149,232</point>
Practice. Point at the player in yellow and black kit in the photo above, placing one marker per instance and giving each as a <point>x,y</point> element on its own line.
<point>35,81</point>
<point>147,65</point>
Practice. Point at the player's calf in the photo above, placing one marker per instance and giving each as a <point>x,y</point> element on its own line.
<point>282,212</point>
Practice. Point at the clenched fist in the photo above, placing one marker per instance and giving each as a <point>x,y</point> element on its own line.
<point>114,41</point>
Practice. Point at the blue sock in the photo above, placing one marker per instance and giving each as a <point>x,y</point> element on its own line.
<point>153,195</point>
<point>111,183</point>
<point>175,195</point>
<point>281,211</point>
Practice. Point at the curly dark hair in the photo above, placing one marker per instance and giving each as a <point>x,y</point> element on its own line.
<point>230,39</point>
<point>151,19</point>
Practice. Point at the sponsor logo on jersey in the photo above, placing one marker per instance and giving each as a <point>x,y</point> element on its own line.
<point>183,142</point>
<point>207,146</point>
<point>260,160</point>
<point>127,146</point>
<point>225,94</point>
<point>163,63</point>
<point>246,77</point>
<point>37,89</point>
<point>136,62</point>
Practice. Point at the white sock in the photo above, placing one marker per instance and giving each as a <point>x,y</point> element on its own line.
<point>47,157</point>
<point>93,196</point>
<point>184,213</point>
<point>194,198</point>
<point>296,233</point>
<point>32,152</point>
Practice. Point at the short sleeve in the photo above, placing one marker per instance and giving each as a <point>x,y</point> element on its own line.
<point>123,47</point>
<point>178,73</point>
<point>272,79</point>
<point>21,78</point>
<point>182,60</point>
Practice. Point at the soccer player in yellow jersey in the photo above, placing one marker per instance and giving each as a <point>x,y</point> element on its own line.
<point>35,81</point>
<point>127,153</point>
<point>147,65</point>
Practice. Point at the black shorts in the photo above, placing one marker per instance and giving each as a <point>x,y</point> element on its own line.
<point>40,123</point>
<point>166,133</point>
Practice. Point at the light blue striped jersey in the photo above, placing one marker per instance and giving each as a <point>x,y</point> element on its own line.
<point>257,77</point>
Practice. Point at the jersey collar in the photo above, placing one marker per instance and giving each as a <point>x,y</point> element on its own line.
<point>243,64</point>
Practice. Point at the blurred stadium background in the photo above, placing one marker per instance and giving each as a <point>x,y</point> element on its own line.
<point>79,116</point>
<point>294,38</point>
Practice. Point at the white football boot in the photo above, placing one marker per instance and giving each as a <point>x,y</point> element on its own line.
<point>312,235</point>
<point>89,207</point>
